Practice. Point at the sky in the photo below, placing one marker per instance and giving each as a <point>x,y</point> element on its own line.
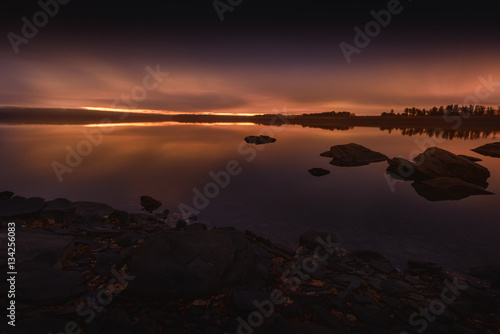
<point>245,57</point>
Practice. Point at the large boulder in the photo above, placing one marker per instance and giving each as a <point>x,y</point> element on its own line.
<point>149,204</point>
<point>351,155</point>
<point>491,150</point>
<point>190,264</point>
<point>436,162</point>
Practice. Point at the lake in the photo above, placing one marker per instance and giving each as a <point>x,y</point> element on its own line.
<point>272,195</point>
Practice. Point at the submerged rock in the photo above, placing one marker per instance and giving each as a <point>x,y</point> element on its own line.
<point>447,188</point>
<point>257,140</point>
<point>318,171</point>
<point>351,155</point>
<point>149,204</point>
<point>491,150</point>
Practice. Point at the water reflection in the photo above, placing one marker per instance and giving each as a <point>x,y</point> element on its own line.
<point>443,133</point>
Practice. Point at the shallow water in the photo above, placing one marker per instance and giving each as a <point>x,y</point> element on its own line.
<point>273,195</point>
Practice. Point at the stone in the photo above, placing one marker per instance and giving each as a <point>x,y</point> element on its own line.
<point>396,288</point>
<point>41,246</point>
<point>351,155</point>
<point>436,162</point>
<point>6,195</point>
<point>189,263</point>
<point>258,140</point>
<point>372,314</point>
<point>149,204</point>
<point>45,285</point>
<point>473,159</point>
<point>318,171</point>
<point>17,206</point>
<point>310,239</point>
<point>491,150</point>
<point>422,266</point>
<point>244,299</point>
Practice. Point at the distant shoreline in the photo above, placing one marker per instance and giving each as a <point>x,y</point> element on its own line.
<point>17,116</point>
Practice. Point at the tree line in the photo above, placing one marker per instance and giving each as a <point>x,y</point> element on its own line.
<point>451,110</point>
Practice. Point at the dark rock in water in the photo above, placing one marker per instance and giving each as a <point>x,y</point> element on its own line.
<point>403,169</point>
<point>437,162</point>
<point>473,159</point>
<point>6,195</point>
<point>190,263</point>
<point>318,171</point>
<point>351,155</point>
<point>447,188</point>
<point>149,204</point>
<point>312,239</point>
<point>17,206</point>
<point>491,150</point>
<point>257,140</point>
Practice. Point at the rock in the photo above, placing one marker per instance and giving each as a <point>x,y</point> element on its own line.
<point>17,206</point>
<point>92,209</point>
<point>473,159</point>
<point>245,299</point>
<point>149,204</point>
<point>41,246</point>
<point>491,150</point>
<point>318,171</point>
<point>60,210</point>
<point>402,169</point>
<point>190,263</point>
<point>42,284</point>
<point>353,155</point>
<point>487,272</point>
<point>396,288</point>
<point>6,195</point>
<point>372,314</point>
<point>423,267</point>
<point>437,162</point>
<point>257,140</point>
<point>310,239</point>
<point>447,188</point>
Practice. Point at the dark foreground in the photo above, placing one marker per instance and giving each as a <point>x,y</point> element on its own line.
<point>85,267</point>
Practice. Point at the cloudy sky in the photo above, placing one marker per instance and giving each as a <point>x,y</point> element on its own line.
<point>261,58</point>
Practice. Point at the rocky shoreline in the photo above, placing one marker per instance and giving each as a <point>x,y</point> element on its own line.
<point>84,267</point>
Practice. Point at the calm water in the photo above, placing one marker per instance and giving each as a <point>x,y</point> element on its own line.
<point>274,195</point>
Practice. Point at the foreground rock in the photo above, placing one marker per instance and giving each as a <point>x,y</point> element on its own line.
<point>97,274</point>
<point>318,171</point>
<point>258,140</point>
<point>440,175</point>
<point>351,155</point>
<point>491,150</point>
<point>149,204</point>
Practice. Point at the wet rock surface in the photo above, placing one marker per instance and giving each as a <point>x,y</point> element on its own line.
<point>491,150</point>
<point>440,175</point>
<point>113,272</point>
<point>351,155</point>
